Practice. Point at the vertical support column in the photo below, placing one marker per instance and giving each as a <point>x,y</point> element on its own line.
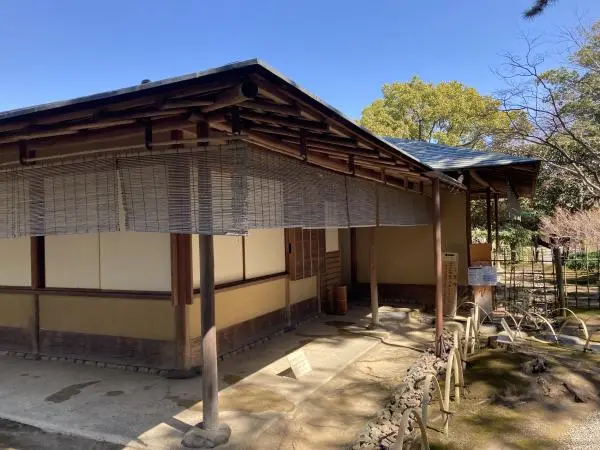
<point>353,258</point>
<point>373,278</point>
<point>497,227</point>
<point>439,281</point>
<point>469,236</point>
<point>488,210</point>
<point>181,287</point>
<point>38,281</point>
<point>210,380</point>
<point>210,432</point>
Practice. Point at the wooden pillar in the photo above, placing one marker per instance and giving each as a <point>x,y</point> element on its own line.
<point>497,227</point>
<point>373,278</point>
<point>38,281</point>
<point>181,288</point>
<point>488,210</point>
<point>353,258</point>
<point>469,236</point>
<point>210,380</point>
<point>439,281</point>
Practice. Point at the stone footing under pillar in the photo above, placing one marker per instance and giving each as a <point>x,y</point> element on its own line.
<point>201,438</point>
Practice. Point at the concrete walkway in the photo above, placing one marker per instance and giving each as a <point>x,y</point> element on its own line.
<point>257,388</point>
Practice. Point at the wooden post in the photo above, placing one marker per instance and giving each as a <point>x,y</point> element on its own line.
<point>439,280</point>
<point>467,183</point>
<point>210,380</point>
<point>38,281</point>
<point>373,278</point>
<point>497,227</point>
<point>181,289</point>
<point>560,281</point>
<point>488,210</point>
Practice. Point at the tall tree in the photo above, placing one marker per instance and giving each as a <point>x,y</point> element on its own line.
<point>447,113</point>
<point>563,108</point>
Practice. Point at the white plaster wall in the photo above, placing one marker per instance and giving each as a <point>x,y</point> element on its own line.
<point>229,263</point>
<point>15,262</point>
<point>332,240</point>
<point>265,252</point>
<point>135,261</point>
<point>73,261</point>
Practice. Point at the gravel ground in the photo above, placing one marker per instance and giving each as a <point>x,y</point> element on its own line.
<point>585,435</point>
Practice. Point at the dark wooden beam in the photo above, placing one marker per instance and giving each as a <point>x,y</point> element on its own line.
<point>468,232</point>
<point>488,210</point>
<point>497,226</point>
<point>182,289</point>
<point>288,110</point>
<point>38,281</point>
<point>233,96</point>
<point>439,279</point>
<point>285,121</point>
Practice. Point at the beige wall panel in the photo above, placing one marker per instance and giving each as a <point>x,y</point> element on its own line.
<point>229,262</point>
<point>15,310</point>
<point>73,261</point>
<point>15,262</point>
<point>135,261</point>
<point>265,252</point>
<point>405,254</point>
<point>332,240</point>
<point>303,289</point>
<point>143,319</point>
<point>247,302</point>
<point>240,303</point>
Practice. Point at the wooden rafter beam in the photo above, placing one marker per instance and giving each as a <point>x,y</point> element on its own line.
<point>285,121</point>
<point>288,110</point>
<point>233,96</point>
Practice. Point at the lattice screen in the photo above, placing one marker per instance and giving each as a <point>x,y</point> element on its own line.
<point>224,189</point>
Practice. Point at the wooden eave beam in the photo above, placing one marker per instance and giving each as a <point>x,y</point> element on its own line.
<point>233,96</point>
<point>285,121</point>
<point>289,110</point>
<point>116,133</point>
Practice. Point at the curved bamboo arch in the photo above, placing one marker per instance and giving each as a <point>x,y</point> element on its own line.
<point>404,426</point>
<point>585,330</point>
<point>525,314</point>
<point>427,398</point>
<point>479,307</point>
<point>547,323</point>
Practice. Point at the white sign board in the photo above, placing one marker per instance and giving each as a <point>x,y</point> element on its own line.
<point>482,276</point>
<point>299,363</point>
<point>511,334</point>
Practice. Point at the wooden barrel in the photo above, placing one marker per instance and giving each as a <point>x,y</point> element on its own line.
<point>340,304</point>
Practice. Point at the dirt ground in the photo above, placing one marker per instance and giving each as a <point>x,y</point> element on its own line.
<point>17,436</point>
<point>508,408</point>
<point>333,416</point>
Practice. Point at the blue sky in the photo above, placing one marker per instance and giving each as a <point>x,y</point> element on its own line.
<point>343,51</point>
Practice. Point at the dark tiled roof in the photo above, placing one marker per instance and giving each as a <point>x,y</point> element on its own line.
<point>444,157</point>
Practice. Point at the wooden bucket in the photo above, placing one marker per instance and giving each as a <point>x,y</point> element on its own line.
<point>340,303</point>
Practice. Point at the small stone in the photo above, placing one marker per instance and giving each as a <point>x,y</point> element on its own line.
<point>143,370</point>
<point>131,368</point>
<point>152,371</point>
<point>100,364</point>
<point>111,366</point>
<point>20,354</point>
<point>163,373</point>
<point>201,438</point>
<point>79,361</point>
<point>90,363</point>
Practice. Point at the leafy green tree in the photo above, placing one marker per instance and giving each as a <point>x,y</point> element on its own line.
<point>447,113</point>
